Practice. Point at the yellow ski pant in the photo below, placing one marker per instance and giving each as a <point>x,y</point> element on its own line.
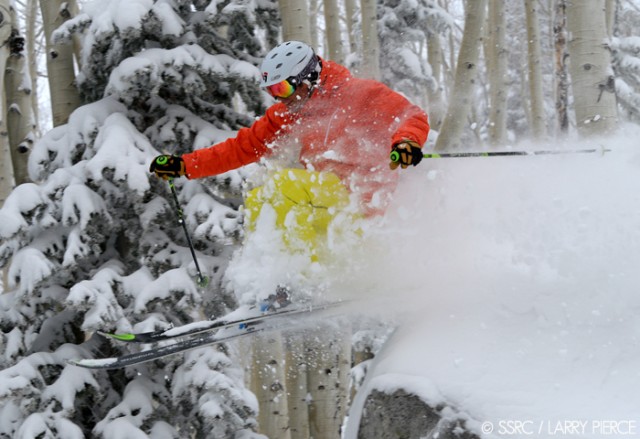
<point>305,203</point>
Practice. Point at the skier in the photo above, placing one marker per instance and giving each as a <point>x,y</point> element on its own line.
<point>344,129</point>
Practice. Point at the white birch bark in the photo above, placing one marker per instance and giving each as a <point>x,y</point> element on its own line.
<point>295,20</point>
<point>31,12</point>
<point>19,115</point>
<point>590,67</point>
<point>332,29</point>
<point>534,69</point>
<point>328,351</point>
<point>610,15</point>
<point>350,12</point>
<point>313,23</point>
<point>465,75</point>
<point>60,67</point>
<point>561,75</point>
<point>296,384</point>
<point>496,52</point>
<point>7,181</point>
<point>437,106</point>
<point>268,384</point>
<point>6,168</point>
<point>370,67</point>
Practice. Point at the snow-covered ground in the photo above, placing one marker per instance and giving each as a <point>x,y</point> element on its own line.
<point>517,281</point>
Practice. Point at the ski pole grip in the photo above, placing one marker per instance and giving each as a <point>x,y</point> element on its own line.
<point>394,156</point>
<point>162,160</point>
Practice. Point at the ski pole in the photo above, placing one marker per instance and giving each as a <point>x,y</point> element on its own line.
<point>395,155</point>
<point>202,280</point>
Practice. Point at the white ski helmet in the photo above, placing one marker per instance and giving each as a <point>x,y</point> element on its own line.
<point>292,60</point>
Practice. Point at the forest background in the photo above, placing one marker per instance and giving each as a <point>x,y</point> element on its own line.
<point>91,94</point>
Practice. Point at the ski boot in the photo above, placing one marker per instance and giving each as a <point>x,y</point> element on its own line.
<point>276,301</point>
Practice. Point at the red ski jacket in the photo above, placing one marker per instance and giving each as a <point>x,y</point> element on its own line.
<point>347,127</point>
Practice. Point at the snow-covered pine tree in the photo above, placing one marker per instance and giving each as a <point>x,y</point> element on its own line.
<point>94,242</point>
<point>404,29</point>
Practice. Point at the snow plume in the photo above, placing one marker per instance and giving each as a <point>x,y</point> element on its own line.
<point>515,284</point>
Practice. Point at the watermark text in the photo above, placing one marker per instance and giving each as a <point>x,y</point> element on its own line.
<point>564,427</point>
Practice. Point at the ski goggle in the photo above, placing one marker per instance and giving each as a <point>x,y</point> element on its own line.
<point>282,89</point>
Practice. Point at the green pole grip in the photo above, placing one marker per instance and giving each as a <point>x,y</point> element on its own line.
<point>162,160</point>
<point>394,156</point>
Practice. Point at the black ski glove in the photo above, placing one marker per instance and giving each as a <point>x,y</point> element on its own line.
<point>168,166</point>
<point>405,153</point>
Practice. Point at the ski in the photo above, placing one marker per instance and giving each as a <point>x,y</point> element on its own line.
<point>194,328</point>
<point>156,353</point>
<point>236,330</point>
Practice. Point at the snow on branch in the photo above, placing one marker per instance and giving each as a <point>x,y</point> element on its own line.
<point>172,282</point>
<point>28,267</point>
<point>179,126</point>
<point>48,390</point>
<point>105,17</point>
<point>132,412</point>
<point>75,25</point>
<point>20,209</point>
<point>154,68</point>
<point>49,425</point>
<point>65,145</point>
<point>98,299</point>
<point>208,376</point>
<point>211,220</point>
<point>120,148</point>
<point>80,205</point>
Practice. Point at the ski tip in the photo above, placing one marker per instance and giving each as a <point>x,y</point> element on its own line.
<point>90,363</point>
<point>120,337</point>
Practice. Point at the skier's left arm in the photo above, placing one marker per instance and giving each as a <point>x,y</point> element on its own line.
<point>414,126</point>
<point>412,131</point>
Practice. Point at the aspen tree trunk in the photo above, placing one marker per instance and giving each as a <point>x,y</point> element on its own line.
<point>359,356</point>
<point>6,168</point>
<point>19,116</point>
<point>64,95</point>
<point>350,11</point>
<point>332,29</point>
<point>467,66</point>
<point>296,384</point>
<point>449,72</point>
<point>437,106</point>
<point>370,67</point>
<point>76,38</point>
<point>496,51</point>
<point>267,383</point>
<point>295,20</point>
<point>328,351</point>
<point>561,75</point>
<point>592,77</point>
<point>535,70</point>
<point>31,12</point>
<point>610,16</point>
<point>269,379</point>
<point>313,23</point>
